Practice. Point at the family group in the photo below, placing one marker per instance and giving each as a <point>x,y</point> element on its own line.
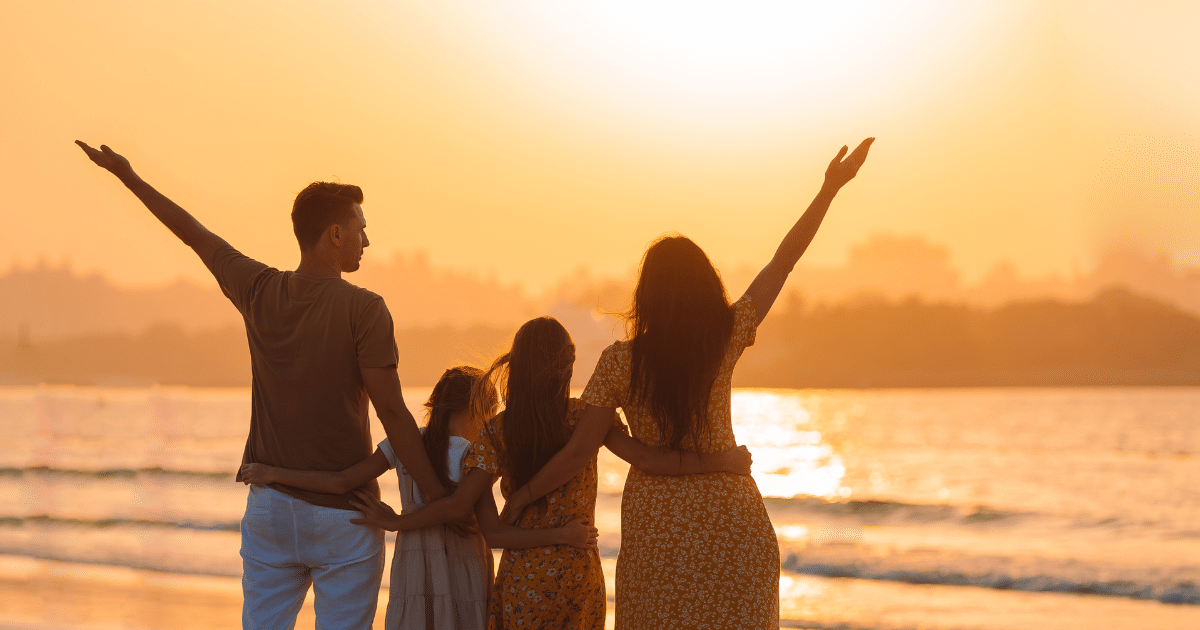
<point>697,549</point>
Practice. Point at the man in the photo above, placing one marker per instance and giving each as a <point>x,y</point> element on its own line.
<point>319,347</point>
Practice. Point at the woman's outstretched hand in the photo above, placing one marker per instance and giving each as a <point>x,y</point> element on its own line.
<point>737,461</point>
<point>841,170</point>
<point>108,159</point>
<point>376,513</point>
<point>580,535</point>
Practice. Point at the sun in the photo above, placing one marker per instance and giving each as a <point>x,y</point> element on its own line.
<point>711,65</point>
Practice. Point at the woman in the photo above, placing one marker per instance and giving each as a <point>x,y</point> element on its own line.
<point>696,551</point>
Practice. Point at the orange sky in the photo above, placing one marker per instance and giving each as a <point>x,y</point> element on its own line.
<point>530,138</point>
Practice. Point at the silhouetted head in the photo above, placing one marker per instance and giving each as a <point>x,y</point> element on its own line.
<point>679,325</point>
<point>451,395</point>
<point>534,379</point>
<point>329,215</point>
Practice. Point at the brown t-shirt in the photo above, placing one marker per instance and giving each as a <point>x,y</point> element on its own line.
<point>308,339</point>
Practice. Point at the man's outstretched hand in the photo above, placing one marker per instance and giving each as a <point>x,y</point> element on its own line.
<point>108,159</point>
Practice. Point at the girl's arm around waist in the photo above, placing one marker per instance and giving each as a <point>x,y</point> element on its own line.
<point>457,506</point>
<point>576,533</point>
<point>339,482</point>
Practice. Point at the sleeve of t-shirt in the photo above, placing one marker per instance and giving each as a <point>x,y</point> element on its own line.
<point>235,275</point>
<point>386,447</point>
<point>375,337</point>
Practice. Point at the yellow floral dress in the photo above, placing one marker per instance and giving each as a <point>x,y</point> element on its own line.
<point>545,587</point>
<point>697,551</point>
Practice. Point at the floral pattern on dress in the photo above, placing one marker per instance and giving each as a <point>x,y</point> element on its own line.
<point>545,587</point>
<point>697,551</point>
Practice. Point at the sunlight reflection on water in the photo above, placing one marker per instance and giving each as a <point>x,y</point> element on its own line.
<point>790,457</point>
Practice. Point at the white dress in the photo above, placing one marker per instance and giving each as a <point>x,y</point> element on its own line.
<point>439,579</point>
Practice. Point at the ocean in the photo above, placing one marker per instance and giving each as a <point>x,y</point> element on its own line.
<point>930,508</point>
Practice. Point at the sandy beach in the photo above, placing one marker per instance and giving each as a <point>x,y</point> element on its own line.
<point>49,595</point>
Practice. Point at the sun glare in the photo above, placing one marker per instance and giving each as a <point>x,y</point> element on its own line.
<point>728,64</point>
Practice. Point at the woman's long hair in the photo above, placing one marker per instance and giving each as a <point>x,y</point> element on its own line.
<point>679,326</point>
<point>452,393</point>
<point>534,380</point>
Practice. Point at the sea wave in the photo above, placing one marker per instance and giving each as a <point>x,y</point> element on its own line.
<point>20,521</point>
<point>874,512</point>
<point>1178,585</point>
<point>104,473</point>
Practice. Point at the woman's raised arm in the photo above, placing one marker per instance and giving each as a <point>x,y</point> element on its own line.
<point>769,283</point>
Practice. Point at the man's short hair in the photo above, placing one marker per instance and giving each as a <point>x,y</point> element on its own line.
<point>320,205</point>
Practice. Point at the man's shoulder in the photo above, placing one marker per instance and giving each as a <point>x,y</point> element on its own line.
<point>361,297</point>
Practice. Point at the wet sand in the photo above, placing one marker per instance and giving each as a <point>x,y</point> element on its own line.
<point>48,595</point>
<point>59,596</point>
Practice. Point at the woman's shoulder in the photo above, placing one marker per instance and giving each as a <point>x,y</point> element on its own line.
<point>616,355</point>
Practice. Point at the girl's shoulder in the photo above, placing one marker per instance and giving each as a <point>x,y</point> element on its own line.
<point>493,428</point>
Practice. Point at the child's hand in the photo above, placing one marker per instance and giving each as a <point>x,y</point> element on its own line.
<point>376,513</point>
<point>513,506</point>
<point>465,526</point>
<point>578,534</point>
<point>737,461</point>
<point>258,474</point>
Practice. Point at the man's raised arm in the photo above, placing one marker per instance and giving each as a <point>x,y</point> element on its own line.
<point>182,224</point>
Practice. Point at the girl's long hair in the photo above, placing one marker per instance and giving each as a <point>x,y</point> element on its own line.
<point>453,392</point>
<point>534,380</point>
<point>679,326</point>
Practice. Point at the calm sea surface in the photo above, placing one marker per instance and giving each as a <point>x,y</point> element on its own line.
<point>979,508</point>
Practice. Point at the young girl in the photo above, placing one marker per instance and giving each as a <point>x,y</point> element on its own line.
<point>544,587</point>
<point>439,579</point>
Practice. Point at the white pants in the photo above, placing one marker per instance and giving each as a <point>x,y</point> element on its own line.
<point>288,544</point>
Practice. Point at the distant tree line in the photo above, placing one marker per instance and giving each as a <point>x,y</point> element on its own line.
<point>1115,338</point>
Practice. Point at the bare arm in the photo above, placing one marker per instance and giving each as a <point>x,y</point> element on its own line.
<point>178,220</point>
<point>500,536</point>
<point>339,482</point>
<point>383,386</point>
<point>590,431</point>
<point>769,283</point>
<point>454,507</point>
<point>655,461</point>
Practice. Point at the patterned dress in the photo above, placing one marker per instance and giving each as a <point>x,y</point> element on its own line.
<point>545,587</point>
<point>697,551</point>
